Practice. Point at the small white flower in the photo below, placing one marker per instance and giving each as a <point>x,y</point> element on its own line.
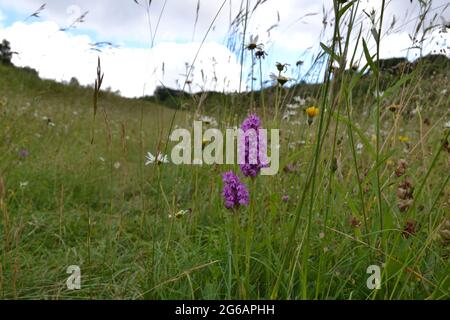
<point>208,120</point>
<point>359,146</point>
<point>117,165</point>
<point>300,101</point>
<point>380,94</point>
<point>295,144</point>
<point>293,106</point>
<point>447,124</point>
<point>288,114</point>
<point>415,111</point>
<point>160,158</point>
<point>279,79</point>
<point>24,184</point>
<point>253,43</point>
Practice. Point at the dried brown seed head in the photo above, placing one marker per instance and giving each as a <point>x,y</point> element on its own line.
<point>410,229</point>
<point>401,167</point>
<point>405,190</point>
<point>355,222</point>
<point>404,205</point>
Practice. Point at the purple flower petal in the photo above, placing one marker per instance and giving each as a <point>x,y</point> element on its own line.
<point>235,193</point>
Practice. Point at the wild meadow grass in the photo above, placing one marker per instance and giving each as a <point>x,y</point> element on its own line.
<point>363,180</point>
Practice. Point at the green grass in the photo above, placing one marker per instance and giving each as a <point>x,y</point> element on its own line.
<point>114,223</point>
<point>83,195</point>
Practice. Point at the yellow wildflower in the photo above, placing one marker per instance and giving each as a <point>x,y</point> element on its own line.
<point>312,112</point>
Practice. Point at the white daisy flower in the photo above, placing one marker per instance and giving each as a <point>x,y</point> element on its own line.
<point>279,79</point>
<point>208,120</point>
<point>253,43</point>
<point>160,158</point>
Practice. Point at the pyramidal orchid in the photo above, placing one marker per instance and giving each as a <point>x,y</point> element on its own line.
<point>252,147</point>
<point>234,191</point>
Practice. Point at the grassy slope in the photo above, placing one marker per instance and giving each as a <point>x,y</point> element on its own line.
<point>114,221</point>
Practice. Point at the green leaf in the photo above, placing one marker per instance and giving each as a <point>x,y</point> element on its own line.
<point>369,58</point>
<point>399,83</point>
<point>357,77</point>
<point>345,8</point>
<point>330,52</point>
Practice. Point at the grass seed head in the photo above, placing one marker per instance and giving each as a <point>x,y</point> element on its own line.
<point>404,205</point>
<point>401,167</point>
<point>281,66</point>
<point>405,190</point>
<point>409,229</point>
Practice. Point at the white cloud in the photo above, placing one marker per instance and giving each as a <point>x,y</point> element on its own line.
<point>126,21</point>
<point>133,71</point>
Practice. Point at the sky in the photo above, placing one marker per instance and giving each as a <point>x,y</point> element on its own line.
<point>156,45</point>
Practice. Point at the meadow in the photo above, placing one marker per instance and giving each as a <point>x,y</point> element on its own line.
<point>363,181</point>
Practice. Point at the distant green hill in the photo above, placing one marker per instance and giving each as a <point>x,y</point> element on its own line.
<point>26,81</point>
<point>392,69</point>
